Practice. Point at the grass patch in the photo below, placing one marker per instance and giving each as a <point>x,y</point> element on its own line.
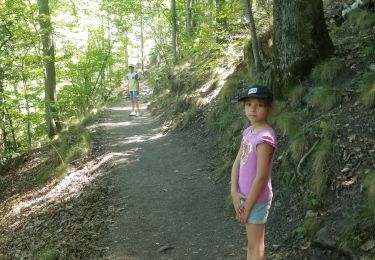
<point>308,229</point>
<point>277,108</point>
<point>297,146</point>
<point>370,191</point>
<point>295,95</point>
<point>289,123</point>
<point>311,227</point>
<point>361,19</point>
<point>326,72</point>
<point>48,254</point>
<point>367,89</point>
<point>329,129</point>
<point>72,144</point>
<point>320,167</point>
<point>188,117</point>
<point>326,98</point>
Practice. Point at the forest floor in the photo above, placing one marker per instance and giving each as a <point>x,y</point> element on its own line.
<point>142,194</point>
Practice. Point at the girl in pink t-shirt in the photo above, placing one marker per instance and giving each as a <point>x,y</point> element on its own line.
<point>251,188</point>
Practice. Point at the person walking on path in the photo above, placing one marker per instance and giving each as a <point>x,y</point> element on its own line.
<point>251,188</point>
<point>133,83</point>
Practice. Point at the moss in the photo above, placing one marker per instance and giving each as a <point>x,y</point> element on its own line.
<point>367,89</point>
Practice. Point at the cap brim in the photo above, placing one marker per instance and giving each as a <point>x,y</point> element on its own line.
<point>255,96</point>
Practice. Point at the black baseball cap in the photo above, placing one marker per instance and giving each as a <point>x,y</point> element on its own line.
<point>257,91</point>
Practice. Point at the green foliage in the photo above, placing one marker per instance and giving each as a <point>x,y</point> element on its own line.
<point>72,144</point>
<point>361,19</point>
<point>369,50</point>
<point>295,95</point>
<point>326,98</point>
<point>48,254</point>
<point>314,203</point>
<point>320,167</point>
<point>369,183</point>
<point>310,227</point>
<point>359,226</point>
<point>278,107</point>
<point>297,145</point>
<point>288,123</point>
<point>326,72</point>
<point>329,129</point>
<point>367,89</point>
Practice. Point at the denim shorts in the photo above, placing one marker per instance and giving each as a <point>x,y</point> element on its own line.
<point>259,212</point>
<point>133,95</point>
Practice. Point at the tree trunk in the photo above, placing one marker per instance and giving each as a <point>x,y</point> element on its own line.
<point>3,132</point>
<point>142,39</point>
<point>301,38</point>
<point>52,120</point>
<point>12,130</point>
<point>188,19</point>
<point>254,39</point>
<point>174,30</point>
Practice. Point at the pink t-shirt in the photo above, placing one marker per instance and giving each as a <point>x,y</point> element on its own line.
<point>248,164</point>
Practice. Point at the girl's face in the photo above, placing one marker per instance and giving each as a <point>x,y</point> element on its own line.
<point>256,110</point>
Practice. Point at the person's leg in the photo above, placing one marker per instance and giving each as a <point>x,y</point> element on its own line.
<point>255,241</point>
<point>133,104</point>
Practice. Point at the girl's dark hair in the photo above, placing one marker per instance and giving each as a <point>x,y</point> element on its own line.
<point>266,101</point>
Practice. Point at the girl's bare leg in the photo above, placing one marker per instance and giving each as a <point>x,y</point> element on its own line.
<point>255,241</point>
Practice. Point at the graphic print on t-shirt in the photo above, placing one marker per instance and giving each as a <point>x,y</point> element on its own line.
<point>246,150</point>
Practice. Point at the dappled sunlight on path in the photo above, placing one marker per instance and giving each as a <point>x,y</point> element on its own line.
<point>19,208</point>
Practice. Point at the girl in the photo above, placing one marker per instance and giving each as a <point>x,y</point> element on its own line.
<point>251,188</point>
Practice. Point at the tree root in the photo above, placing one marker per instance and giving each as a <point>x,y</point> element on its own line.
<point>304,158</point>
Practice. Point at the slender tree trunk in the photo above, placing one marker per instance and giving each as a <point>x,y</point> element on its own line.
<point>174,30</point>
<point>52,120</point>
<point>142,38</point>
<point>3,131</point>
<point>28,123</point>
<point>254,40</point>
<point>188,19</point>
<point>301,38</point>
<point>12,130</point>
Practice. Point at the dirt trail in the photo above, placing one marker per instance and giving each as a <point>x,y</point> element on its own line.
<point>165,202</point>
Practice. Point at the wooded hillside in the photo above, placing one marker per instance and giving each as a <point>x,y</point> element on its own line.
<point>63,61</point>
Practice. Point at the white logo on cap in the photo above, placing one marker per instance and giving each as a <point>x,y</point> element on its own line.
<point>252,91</point>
